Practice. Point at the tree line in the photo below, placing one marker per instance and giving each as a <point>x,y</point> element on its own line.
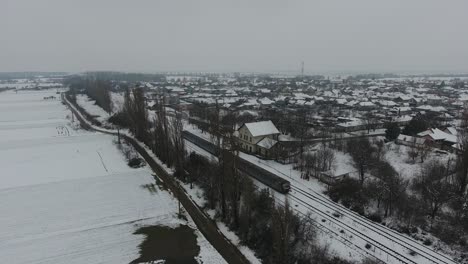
<point>97,89</point>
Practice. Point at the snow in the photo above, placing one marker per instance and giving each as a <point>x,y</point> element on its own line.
<point>92,108</point>
<point>366,104</point>
<point>343,163</point>
<point>249,254</point>
<point>265,101</point>
<point>267,143</point>
<point>438,134</point>
<point>397,156</point>
<point>69,197</point>
<point>432,108</point>
<point>250,102</point>
<point>262,128</point>
<point>117,101</point>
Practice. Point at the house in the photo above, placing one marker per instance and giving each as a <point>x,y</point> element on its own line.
<point>440,138</point>
<point>366,105</point>
<point>258,137</point>
<point>404,110</point>
<point>410,141</point>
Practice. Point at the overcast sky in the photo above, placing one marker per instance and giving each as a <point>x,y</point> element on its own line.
<point>236,35</point>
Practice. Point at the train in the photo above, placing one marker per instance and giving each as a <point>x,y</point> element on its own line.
<point>269,179</point>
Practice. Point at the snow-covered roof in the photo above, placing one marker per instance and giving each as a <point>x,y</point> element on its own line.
<point>438,134</point>
<point>353,123</point>
<point>266,101</point>
<point>403,108</point>
<point>341,101</point>
<point>262,128</point>
<point>432,108</point>
<point>405,118</point>
<point>267,143</point>
<point>386,103</point>
<point>366,104</point>
<point>250,102</point>
<point>452,130</point>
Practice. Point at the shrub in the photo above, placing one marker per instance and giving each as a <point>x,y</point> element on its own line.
<point>120,119</point>
<point>136,162</point>
<point>375,217</point>
<point>427,242</point>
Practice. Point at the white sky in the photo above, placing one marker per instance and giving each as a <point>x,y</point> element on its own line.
<point>236,35</point>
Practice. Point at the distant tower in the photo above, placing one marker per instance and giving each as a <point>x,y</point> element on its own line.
<point>302,69</point>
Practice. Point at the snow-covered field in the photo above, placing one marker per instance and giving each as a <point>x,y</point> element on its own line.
<point>87,103</point>
<point>397,156</point>
<point>67,195</point>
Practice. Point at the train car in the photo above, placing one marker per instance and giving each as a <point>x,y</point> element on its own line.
<point>271,180</point>
<point>200,142</point>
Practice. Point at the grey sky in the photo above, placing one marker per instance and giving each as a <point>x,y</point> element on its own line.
<point>236,35</point>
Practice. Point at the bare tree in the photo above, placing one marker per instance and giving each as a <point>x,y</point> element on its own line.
<point>362,154</point>
<point>424,151</point>
<point>135,108</point>
<point>99,91</point>
<point>433,187</point>
<point>462,159</point>
<point>389,186</point>
<point>413,151</point>
<point>178,143</point>
<point>215,127</point>
<point>283,223</point>
<point>300,128</point>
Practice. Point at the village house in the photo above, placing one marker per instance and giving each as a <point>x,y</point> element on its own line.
<point>258,137</point>
<point>442,139</point>
<point>410,141</point>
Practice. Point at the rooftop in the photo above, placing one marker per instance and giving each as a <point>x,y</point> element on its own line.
<point>262,128</point>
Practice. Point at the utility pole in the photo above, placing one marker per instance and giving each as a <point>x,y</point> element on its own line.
<point>302,69</point>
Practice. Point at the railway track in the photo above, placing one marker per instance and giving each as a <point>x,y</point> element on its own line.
<point>356,229</point>
<point>367,225</point>
<point>383,231</point>
<point>383,253</point>
<point>352,223</point>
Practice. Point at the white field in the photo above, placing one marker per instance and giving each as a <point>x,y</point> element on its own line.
<point>66,195</point>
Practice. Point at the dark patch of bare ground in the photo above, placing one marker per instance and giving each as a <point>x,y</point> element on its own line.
<point>174,245</point>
